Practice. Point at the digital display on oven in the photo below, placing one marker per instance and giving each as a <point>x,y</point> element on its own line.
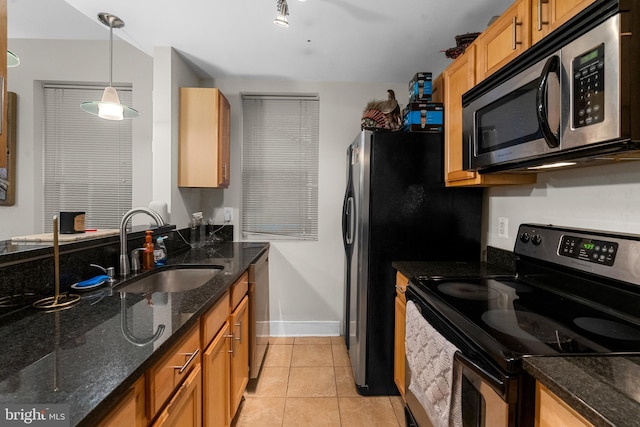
<point>596,251</point>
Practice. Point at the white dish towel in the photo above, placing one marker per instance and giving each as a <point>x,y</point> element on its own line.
<point>434,381</point>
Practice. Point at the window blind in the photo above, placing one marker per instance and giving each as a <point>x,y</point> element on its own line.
<point>87,160</point>
<point>280,167</point>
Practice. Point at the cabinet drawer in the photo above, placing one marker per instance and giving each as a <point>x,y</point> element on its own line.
<point>171,370</point>
<point>239,290</point>
<point>213,319</point>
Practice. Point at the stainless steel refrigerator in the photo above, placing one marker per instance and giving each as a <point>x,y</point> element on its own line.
<point>396,208</point>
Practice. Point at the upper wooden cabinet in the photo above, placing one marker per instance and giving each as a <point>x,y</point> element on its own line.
<point>548,15</point>
<point>506,38</point>
<point>203,154</point>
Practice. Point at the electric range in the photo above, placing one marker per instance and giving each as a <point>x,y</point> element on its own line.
<point>575,292</point>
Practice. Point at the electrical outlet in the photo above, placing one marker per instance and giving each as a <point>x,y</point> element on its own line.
<point>228,214</point>
<point>503,227</point>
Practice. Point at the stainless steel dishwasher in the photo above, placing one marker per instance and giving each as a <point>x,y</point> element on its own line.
<point>259,329</point>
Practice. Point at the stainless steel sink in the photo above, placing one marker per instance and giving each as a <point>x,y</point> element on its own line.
<point>171,279</point>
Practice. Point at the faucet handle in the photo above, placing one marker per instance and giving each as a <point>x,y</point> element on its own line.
<point>135,260</point>
<point>110,271</point>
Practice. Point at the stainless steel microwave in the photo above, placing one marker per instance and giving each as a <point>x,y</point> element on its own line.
<point>572,99</point>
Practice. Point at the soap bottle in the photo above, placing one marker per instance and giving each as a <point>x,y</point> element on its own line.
<point>147,254</point>
<point>160,252</point>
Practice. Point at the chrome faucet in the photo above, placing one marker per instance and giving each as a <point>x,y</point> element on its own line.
<point>124,259</point>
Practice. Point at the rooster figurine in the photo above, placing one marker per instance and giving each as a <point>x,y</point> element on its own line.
<point>382,114</point>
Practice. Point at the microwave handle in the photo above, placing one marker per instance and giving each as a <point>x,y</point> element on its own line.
<point>552,66</point>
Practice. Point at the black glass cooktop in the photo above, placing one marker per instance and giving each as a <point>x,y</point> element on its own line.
<point>514,318</point>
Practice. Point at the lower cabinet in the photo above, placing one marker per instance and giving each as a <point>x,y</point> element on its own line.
<point>217,380</point>
<point>551,411</point>
<point>399,333</point>
<point>192,387</point>
<point>239,353</point>
<point>185,408</point>
<point>130,410</point>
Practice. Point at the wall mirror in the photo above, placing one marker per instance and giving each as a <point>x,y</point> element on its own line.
<point>8,155</point>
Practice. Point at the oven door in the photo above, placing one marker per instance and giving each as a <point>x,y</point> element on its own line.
<point>516,119</point>
<point>482,406</point>
<point>489,395</point>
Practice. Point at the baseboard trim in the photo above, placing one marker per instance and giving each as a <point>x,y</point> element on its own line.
<point>304,329</point>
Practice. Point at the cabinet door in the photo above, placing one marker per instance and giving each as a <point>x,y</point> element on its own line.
<point>505,39</point>
<point>130,410</point>
<point>239,353</point>
<point>548,15</point>
<point>553,412</point>
<point>203,148</point>
<point>216,380</point>
<point>398,350</point>
<point>185,409</point>
<point>459,77</point>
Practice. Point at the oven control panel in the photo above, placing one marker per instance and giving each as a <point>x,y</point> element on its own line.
<point>609,254</point>
<point>598,251</point>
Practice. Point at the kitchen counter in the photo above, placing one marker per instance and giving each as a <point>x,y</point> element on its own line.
<point>604,389</point>
<point>85,356</point>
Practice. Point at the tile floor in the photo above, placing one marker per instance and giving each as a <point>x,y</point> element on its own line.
<point>307,382</point>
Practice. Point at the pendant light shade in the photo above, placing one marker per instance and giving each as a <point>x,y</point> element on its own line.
<point>283,11</point>
<point>12,59</point>
<point>109,107</point>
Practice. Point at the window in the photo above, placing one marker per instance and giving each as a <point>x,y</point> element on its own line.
<point>280,167</point>
<point>87,160</point>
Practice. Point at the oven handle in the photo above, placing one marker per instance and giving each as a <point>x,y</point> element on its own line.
<point>496,383</point>
<point>552,66</point>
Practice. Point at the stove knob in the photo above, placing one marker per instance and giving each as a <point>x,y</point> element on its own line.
<point>536,239</point>
<point>524,237</point>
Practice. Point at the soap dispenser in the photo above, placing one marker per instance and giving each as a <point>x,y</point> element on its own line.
<point>160,252</point>
<point>147,254</point>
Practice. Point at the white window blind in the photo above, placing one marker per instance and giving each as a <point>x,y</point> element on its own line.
<point>280,167</point>
<point>87,160</point>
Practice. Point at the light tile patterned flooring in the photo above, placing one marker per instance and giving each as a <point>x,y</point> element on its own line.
<point>308,382</point>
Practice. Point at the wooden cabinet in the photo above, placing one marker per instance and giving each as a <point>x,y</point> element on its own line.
<point>548,15</point>
<point>130,410</point>
<point>217,380</point>
<point>225,336</point>
<point>399,333</point>
<point>551,411</point>
<point>185,408</point>
<point>239,353</point>
<point>506,38</point>
<point>203,153</point>
<point>167,374</point>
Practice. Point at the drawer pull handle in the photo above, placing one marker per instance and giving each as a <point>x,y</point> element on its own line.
<point>515,24</point>
<point>189,360</point>
<point>401,289</point>
<point>230,336</point>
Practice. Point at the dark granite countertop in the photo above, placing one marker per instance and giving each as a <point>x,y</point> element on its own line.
<point>81,357</point>
<point>604,389</point>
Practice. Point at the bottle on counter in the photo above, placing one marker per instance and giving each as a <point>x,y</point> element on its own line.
<point>147,254</point>
<point>160,252</point>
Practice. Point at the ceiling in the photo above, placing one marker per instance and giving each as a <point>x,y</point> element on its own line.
<point>327,40</point>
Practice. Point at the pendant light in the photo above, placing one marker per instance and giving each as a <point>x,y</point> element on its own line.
<point>109,107</point>
<point>283,11</point>
<point>12,59</point>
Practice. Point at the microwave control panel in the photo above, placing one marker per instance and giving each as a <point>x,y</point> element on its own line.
<point>588,87</point>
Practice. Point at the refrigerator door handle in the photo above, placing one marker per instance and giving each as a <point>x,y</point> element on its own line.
<point>352,220</point>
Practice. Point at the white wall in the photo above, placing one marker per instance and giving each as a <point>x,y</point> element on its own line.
<point>596,197</point>
<point>307,278</point>
<point>70,62</point>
